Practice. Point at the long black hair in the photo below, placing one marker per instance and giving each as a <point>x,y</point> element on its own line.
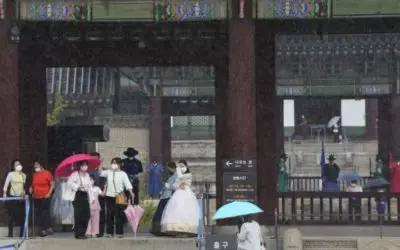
<point>182,161</point>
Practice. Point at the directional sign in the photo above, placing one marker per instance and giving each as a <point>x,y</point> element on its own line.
<point>239,164</point>
<point>222,242</point>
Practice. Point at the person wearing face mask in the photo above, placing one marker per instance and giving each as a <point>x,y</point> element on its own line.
<point>14,186</point>
<point>81,185</point>
<point>117,184</point>
<point>133,168</point>
<point>41,189</point>
<point>181,215</point>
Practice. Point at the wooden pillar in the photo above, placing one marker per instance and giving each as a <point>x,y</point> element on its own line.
<point>269,121</point>
<point>160,132</point>
<point>9,96</point>
<point>395,127</point>
<point>384,126</point>
<point>280,127</point>
<point>33,105</point>
<point>235,95</point>
<point>371,112</point>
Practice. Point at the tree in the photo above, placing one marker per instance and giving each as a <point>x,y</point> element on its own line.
<point>57,107</point>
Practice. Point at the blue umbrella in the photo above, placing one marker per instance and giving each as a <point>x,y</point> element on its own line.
<point>235,209</point>
<point>349,176</point>
<point>376,184</point>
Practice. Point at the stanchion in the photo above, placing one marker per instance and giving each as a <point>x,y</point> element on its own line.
<point>200,233</point>
<point>276,226</point>
<point>24,235</point>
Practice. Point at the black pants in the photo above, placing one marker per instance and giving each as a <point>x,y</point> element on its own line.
<point>16,216</point>
<point>355,209</point>
<point>115,216</point>
<point>136,193</point>
<point>81,213</point>
<point>42,212</point>
<point>102,223</point>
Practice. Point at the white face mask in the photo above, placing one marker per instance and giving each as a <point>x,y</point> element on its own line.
<point>18,168</point>
<point>114,166</point>
<point>37,169</point>
<point>131,157</point>
<point>84,168</point>
<point>184,169</point>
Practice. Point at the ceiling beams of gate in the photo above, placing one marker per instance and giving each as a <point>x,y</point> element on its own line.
<point>127,44</point>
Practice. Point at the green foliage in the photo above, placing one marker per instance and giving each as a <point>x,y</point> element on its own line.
<point>53,115</point>
<point>149,208</point>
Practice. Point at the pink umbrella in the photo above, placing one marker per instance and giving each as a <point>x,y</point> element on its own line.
<point>67,166</point>
<point>134,214</point>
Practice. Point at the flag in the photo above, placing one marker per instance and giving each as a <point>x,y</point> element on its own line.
<point>322,163</point>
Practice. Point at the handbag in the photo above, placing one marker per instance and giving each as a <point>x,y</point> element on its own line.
<point>120,198</point>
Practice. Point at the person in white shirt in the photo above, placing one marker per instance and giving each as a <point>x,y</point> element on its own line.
<point>80,186</point>
<point>117,182</point>
<point>354,202</point>
<point>249,236</point>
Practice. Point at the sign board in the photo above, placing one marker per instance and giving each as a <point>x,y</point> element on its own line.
<point>352,8</point>
<point>239,185</point>
<point>221,242</point>
<point>230,164</point>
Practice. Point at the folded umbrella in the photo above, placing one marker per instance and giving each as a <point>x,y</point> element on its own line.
<point>376,184</point>
<point>134,215</point>
<point>349,176</point>
<point>67,166</point>
<point>235,209</point>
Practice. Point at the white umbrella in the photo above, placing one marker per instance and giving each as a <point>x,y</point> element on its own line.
<point>333,121</point>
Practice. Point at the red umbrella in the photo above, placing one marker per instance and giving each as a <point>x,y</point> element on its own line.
<point>67,166</point>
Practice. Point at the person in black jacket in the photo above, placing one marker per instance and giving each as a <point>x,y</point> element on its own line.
<point>332,172</point>
<point>133,168</point>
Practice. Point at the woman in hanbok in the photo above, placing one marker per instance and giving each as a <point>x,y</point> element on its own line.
<point>166,194</point>
<point>283,175</point>
<point>181,215</point>
<point>155,186</point>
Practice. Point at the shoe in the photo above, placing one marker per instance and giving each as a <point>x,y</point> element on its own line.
<point>49,231</point>
<point>99,236</point>
<point>109,235</point>
<point>120,236</point>
<point>43,233</point>
<point>80,237</point>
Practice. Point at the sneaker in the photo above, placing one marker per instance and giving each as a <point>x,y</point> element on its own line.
<point>43,233</point>
<point>120,236</point>
<point>99,236</point>
<point>81,237</point>
<point>109,235</point>
<point>49,231</point>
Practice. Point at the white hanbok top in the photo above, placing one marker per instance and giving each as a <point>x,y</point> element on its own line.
<point>183,181</point>
<point>117,182</point>
<point>75,181</point>
<point>249,237</point>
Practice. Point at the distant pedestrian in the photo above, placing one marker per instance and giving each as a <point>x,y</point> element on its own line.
<point>154,184</point>
<point>41,190</point>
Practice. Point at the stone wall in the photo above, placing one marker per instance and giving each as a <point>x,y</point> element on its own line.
<point>293,239</point>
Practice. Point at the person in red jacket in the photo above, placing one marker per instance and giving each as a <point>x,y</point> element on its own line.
<point>41,190</point>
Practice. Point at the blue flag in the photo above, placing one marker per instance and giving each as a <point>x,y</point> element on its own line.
<point>322,163</point>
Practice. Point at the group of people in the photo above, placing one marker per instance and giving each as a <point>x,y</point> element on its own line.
<point>100,198</point>
<point>40,187</point>
<point>94,196</point>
